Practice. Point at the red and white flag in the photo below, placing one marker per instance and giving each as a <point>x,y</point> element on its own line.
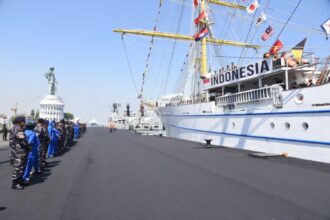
<point>278,45</point>
<point>203,33</point>
<point>196,3</point>
<point>206,81</point>
<point>268,33</point>
<point>201,16</point>
<point>261,18</point>
<point>253,7</point>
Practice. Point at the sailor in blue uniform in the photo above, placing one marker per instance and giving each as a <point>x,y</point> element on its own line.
<point>52,135</point>
<point>57,135</point>
<point>76,131</point>
<point>34,144</point>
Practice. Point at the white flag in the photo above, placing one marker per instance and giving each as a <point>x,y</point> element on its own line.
<point>261,18</point>
<point>326,27</point>
<point>253,7</point>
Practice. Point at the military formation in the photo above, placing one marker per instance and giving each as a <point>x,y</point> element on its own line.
<point>32,143</point>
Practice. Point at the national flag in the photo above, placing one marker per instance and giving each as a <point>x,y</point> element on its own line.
<point>201,16</point>
<point>326,27</point>
<point>203,33</point>
<point>253,7</point>
<point>196,3</point>
<point>297,50</point>
<point>278,45</point>
<point>206,80</point>
<point>261,18</point>
<point>268,33</point>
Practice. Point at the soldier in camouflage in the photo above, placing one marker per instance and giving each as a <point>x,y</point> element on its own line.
<point>62,130</point>
<point>42,133</point>
<point>19,150</point>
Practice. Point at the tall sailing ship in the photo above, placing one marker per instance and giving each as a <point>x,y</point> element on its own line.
<point>276,103</point>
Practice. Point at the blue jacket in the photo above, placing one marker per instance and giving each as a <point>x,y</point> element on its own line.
<point>76,128</point>
<point>51,131</point>
<point>33,140</point>
<point>57,133</point>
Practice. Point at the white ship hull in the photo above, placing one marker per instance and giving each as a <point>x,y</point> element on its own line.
<point>299,128</point>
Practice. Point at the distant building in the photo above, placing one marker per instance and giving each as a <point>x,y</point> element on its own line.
<point>93,123</point>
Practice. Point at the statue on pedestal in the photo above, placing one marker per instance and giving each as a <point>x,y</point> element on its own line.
<point>51,81</point>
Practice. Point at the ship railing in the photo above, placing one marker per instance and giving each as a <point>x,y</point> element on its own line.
<point>254,95</point>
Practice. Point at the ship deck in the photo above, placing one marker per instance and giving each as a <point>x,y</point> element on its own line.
<point>124,175</point>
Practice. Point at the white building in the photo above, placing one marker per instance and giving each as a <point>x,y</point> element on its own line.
<point>52,108</point>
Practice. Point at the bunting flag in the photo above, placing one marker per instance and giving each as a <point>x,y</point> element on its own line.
<point>278,45</point>
<point>298,50</point>
<point>268,33</point>
<point>253,7</point>
<point>326,27</point>
<point>196,3</point>
<point>203,33</point>
<point>201,16</point>
<point>261,18</point>
<point>206,81</point>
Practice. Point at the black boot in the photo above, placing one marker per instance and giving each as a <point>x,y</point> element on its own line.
<point>17,185</point>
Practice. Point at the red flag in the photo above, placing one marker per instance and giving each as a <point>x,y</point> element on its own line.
<point>268,33</point>
<point>278,45</point>
<point>201,16</point>
<point>196,3</point>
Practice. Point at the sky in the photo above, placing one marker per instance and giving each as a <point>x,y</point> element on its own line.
<point>90,64</point>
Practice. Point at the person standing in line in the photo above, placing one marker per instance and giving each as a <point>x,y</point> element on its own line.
<point>4,132</point>
<point>76,131</point>
<point>61,140</point>
<point>56,138</point>
<point>42,134</point>
<point>19,149</point>
<point>34,143</point>
<point>52,135</point>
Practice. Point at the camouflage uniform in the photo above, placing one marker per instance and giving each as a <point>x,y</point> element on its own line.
<point>18,153</point>
<point>43,136</point>
<point>70,134</point>
<point>61,140</point>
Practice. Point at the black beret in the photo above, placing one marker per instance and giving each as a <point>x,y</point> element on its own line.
<point>41,120</point>
<point>30,125</point>
<point>19,119</point>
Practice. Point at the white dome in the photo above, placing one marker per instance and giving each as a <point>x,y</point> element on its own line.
<point>52,100</point>
<point>52,108</point>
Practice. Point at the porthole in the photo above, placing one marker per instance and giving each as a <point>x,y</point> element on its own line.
<point>287,125</point>
<point>299,98</point>
<point>305,126</point>
<point>272,125</point>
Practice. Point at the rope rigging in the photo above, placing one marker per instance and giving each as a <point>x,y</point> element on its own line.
<point>149,51</point>
<point>172,53</point>
<point>129,64</point>
<point>294,10</point>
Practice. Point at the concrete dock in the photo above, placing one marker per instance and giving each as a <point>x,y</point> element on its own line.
<point>124,175</point>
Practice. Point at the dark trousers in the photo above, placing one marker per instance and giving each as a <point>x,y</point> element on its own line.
<point>4,136</point>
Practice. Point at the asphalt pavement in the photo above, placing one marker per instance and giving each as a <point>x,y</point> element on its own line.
<point>129,176</point>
